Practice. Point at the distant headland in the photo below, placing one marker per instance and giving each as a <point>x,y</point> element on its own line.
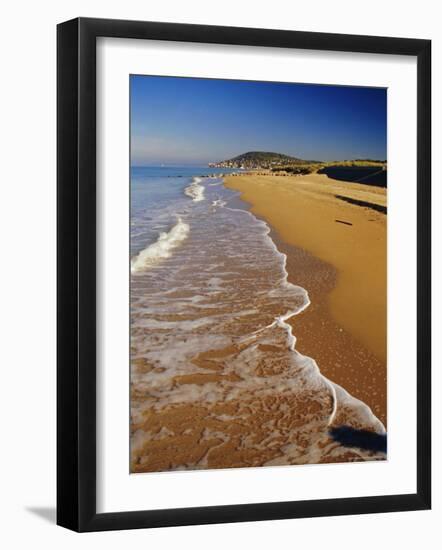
<point>258,160</point>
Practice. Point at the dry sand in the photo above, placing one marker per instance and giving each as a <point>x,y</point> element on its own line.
<point>337,251</point>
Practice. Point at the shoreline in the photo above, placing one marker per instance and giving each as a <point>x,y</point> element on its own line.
<point>328,331</point>
<point>234,394</point>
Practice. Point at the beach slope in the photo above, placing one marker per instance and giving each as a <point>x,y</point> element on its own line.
<point>334,235</point>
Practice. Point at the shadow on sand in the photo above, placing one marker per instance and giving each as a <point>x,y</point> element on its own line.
<point>370,175</point>
<point>351,437</point>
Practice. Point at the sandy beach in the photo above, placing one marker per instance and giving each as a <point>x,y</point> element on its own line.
<point>216,377</point>
<point>334,235</point>
<point>257,273</point>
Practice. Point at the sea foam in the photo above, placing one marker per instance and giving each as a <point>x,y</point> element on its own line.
<point>195,190</point>
<point>161,248</point>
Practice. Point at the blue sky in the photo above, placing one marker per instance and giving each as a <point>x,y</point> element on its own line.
<point>195,121</point>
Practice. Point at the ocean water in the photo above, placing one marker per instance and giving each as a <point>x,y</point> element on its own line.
<point>216,380</point>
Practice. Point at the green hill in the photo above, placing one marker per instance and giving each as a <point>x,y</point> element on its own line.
<point>261,159</point>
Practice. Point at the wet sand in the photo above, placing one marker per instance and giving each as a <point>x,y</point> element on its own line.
<point>337,251</point>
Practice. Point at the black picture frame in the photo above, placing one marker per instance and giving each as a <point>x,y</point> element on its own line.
<point>77,287</point>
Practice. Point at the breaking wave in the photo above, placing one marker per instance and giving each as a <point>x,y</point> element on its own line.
<point>162,248</point>
<point>195,190</point>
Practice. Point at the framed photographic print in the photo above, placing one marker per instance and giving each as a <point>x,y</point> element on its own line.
<point>243,274</point>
